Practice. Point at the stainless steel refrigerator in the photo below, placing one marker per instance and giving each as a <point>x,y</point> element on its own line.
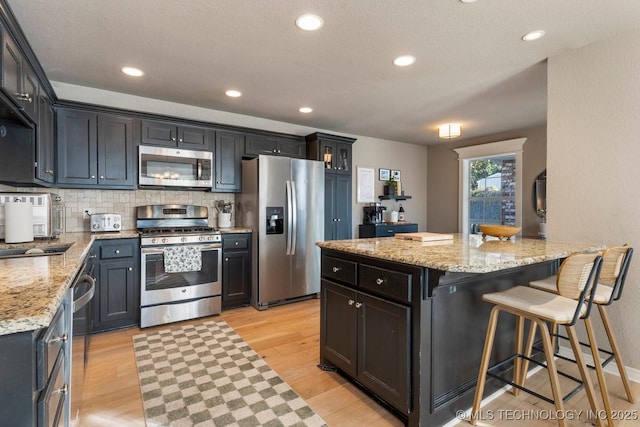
<point>282,201</point>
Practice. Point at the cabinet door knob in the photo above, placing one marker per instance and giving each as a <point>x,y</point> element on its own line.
<point>226,260</point>
<point>62,390</point>
<point>101,176</point>
<point>336,269</point>
<point>237,243</point>
<point>93,177</point>
<point>130,268</point>
<point>274,151</point>
<point>379,281</point>
<point>63,338</point>
<point>180,140</point>
<point>279,151</point>
<point>351,302</point>
<point>49,171</point>
<point>217,182</point>
<point>117,251</point>
<point>338,219</point>
<point>358,304</point>
<point>173,139</point>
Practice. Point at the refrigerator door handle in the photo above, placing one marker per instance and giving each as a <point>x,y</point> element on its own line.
<point>289,217</point>
<point>294,221</point>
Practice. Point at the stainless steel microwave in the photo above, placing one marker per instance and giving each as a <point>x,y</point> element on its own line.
<point>171,167</point>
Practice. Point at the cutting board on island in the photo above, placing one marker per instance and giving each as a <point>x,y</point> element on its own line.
<point>424,236</point>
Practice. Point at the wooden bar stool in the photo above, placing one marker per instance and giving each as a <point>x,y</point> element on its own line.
<point>615,265</point>
<point>577,279</point>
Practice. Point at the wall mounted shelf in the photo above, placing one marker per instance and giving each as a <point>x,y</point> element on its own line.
<point>394,197</point>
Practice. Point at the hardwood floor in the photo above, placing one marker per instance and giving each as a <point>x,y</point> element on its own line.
<point>287,337</point>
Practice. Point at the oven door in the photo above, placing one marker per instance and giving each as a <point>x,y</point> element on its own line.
<point>159,287</point>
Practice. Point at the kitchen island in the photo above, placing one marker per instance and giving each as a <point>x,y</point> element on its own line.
<point>406,320</point>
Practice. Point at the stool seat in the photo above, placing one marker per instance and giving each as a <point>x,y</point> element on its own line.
<point>545,305</point>
<point>602,295</point>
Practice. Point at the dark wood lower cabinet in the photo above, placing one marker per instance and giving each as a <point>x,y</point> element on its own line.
<point>413,336</point>
<point>116,303</point>
<point>236,270</point>
<point>368,338</point>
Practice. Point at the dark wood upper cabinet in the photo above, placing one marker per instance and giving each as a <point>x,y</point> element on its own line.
<point>229,147</point>
<point>45,141</point>
<point>19,82</point>
<point>168,134</point>
<point>95,150</point>
<point>274,146</point>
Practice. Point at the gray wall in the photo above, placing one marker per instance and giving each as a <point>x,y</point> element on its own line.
<point>443,177</point>
<point>593,150</point>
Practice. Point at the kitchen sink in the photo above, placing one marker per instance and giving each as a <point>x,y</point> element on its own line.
<point>47,250</point>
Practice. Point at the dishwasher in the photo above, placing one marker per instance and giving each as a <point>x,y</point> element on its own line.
<point>83,291</point>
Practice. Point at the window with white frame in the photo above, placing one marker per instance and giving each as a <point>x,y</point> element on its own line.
<point>490,184</point>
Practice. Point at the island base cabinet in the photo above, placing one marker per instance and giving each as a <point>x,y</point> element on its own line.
<point>368,338</point>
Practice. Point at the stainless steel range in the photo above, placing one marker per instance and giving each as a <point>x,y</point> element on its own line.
<point>181,259</point>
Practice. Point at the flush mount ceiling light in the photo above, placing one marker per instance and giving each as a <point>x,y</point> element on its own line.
<point>449,131</point>
<point>131,71</point>
<point>309,22</point>
<point>233,93</point>
<point>404,60</point>
<point>533,35</point>
<point>468,1</point>
<point>305,110</point>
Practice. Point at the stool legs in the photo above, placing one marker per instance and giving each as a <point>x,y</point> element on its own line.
<point>551,368</point>
<point>598,365</point>
<point>518,363</point>
<point>484,363</point>
<point>577,352</point>
<point>616,352</point>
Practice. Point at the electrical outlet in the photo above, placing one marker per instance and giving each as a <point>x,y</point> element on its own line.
<point>86,213</point>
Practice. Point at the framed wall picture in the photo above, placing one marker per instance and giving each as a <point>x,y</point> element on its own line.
<point>365,187</point>
<point>383,175</point>
<point>395,175</point>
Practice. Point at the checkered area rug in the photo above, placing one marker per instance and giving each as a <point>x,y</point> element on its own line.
<point>206,375</point>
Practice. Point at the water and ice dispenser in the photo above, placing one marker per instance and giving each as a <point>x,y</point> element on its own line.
<point>275,220</point>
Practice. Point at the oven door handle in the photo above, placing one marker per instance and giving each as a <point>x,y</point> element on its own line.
<point>160,250</point>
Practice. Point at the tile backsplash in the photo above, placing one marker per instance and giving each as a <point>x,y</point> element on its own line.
<point>124,202</point>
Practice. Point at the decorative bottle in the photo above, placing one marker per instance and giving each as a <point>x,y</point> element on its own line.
<point>401,213</point>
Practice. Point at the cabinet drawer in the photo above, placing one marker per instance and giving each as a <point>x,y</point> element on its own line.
<point>51,401</point>
<point>116,251</point>
<point>49,346</point>
<point>339,270</point>
<point>390,283</point>
<point>235,242</point>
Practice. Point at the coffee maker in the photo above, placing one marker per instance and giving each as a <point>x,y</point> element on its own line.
<point>373,213</point>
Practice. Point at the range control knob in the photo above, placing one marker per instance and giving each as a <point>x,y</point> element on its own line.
<point>183,239</point>
<point>95,226</point>
<point>116,226</point>
<point>165,240</point>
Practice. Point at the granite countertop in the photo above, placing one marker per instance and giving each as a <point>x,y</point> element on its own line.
<point>32,288</point>
<point>235,230</point>
<point>464,254</point>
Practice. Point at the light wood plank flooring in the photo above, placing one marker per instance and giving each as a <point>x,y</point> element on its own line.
<point>287,337</point>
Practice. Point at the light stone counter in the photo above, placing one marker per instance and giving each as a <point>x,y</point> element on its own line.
<point>463,254</point>
<point>32,288</point>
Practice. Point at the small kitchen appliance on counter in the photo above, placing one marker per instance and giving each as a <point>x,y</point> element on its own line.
<point>373,213</point>
<point>106,222</point>
<point>48,213</point>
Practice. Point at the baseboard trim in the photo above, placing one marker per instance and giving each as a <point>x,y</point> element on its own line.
<point>611,368</point>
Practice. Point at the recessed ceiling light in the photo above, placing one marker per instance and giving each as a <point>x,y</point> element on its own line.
<point>233,93</point>
<point>533,35</point>
<point>309,22</point>
<point>131,71</point>
<point>404,60</point>
<point>305,110</point>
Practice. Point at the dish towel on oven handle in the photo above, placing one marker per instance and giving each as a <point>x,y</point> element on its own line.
<point>181,259</point>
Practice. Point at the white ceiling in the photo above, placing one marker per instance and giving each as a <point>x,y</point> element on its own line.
<point>472,66</point>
